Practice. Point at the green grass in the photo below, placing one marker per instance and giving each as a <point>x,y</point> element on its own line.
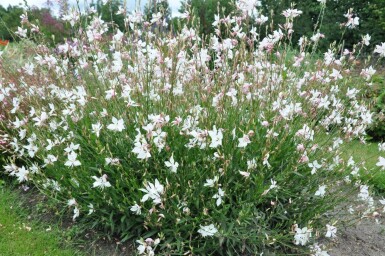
<point>20,236</point>
<point>362,153</point>
<point>368,154</point>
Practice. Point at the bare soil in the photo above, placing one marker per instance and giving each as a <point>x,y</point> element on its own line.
<point>367,238</point>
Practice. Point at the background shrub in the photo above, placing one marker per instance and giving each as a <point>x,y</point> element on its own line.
<point>377,130</point>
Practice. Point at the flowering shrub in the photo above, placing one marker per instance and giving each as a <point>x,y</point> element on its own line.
<point>224,145</point>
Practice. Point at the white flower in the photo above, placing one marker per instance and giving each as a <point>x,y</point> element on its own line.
<point>381,163</point>
<point>291,13</point>
<point>336,74</point>
<point>246,6</point>
<point>366,117</point>
<point>381,146</point>
<point>366,39</point>
<point>244,174</point>
<point>244,141</point>
<point>91,209</point>
<point>142,149</point>
<point>101,182</point>
<point>209,230</point>
<point>288,111</point>
<point>317,251</point>
<point>233,133</point>
<point>153,191</point>
<point>21,32</point>
<point>142,246</point>
<point>331,231</point>
<point>317,37</point>
<point>117,125</point>
<point>28,68</point>
<point>110,94</point>
<point>96,128</point>
<point>32,149</point>
<point>211,182</point>
<point>71,202</point>
<point>306,132</point>
<point>34,168</point>
<point>136,209</point>
<point>380,49</point>
<point>302,236</point>
<point>321,191</point>
<point>76,213</point>
<point>119,35</point>
<point>104,113</point>
<point>364,193</point>
<point>219,196</point>
<point>72,17</point>
<point>22,174</point>
<point>351,93</point>
<point>71,148</point>
<point>315,166</point>
<point>50,145</point>
<point>72,161</point>
<point>50,159</point>
<point>216,137</point>
<point>368,73</point>
<point>18,123</point>
<point>11,169</point>
<point>112,161</point>
<point>216,20</point>
<point>156,17</point>
<point>203,56</point>
<point>172,164</point>
<point>251,164</point>
<point>145,246</point>
<point>273,184</point>
<point>352,22</point>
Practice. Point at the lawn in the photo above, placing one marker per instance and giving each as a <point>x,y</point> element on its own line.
<point>20,235</point>
<point>368,154</point>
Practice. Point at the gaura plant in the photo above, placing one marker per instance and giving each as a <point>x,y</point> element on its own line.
<point>228,144</point>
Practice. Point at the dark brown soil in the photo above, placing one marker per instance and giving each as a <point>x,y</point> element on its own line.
<point>91,242</point>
